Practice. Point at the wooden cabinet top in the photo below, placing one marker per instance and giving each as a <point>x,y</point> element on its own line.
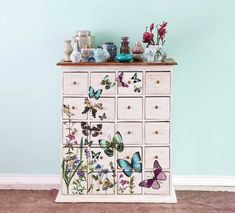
<point>168,61</point>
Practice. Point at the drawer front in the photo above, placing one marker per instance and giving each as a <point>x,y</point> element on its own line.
<point>75,83</point>
<point>76,107</point>
<point>104,81</point>
<point>157,133</point>
<point>164,185</point>
<point>106,131</point>
<point>157,108</point>
<point>128,185</point>
<point>72,133</point>
<point>130,108</point>
<point>128,152</point>
<point>162,154</point>
<point>158,82</point>
<point>108,107</point>
<point>131,132</point>
<point>130,79</point>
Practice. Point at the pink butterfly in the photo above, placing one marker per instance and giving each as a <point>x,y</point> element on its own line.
<point>158,175</point>
<point>120,82</point>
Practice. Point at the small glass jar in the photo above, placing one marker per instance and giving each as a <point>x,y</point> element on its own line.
<point>84,39</point>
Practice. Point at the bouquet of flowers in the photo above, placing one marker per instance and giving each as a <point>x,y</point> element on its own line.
<point>148,36</point>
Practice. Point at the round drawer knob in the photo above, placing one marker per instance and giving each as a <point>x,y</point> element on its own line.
<point>74,83</point>
<point>129,82</point>
<point>128,107</point>
<point>157,82</point>
<point>156,157</point>
<point>156,107</point>
<point>101,132</point>
<point>156,132</point>
<point>73,107</point>
<point>127,157</point>
<point>128,132</point>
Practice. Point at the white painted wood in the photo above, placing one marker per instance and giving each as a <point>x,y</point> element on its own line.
<point>157,133</point>
<point>157,108</point>
<point>162,154</point>
<point>96,79</point>
<point>130,108</point>
<point>131,132</point>
<point>75,83</point>
<point>158,83</point>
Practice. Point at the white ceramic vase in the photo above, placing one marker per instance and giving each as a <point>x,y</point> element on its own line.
<point>76,55</point>
<point>68,49</point>
<point>106,53</point>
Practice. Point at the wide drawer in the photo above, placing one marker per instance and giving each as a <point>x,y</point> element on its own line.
<point>162,154</point>
<point>157,133</point>
<point>158,82</point>
<point>130,108</point>
<point>157,108</point>
<point>75,83</point>
<point>132,133</point>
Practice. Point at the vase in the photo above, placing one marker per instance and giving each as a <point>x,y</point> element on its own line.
<point>137,51</point>
<point>106,53</point>
<point>75,55</point>
<point>150,52</point>
<point>68,49</point>
<point>99,55</point>
<point>125,45</point>
<point>112,49</point>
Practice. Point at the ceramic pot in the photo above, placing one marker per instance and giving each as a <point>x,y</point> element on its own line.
<point>112,49</point>
<point>124,57</point>
<point>76,55</point>
<point>68,49</point>
<point>137,51</point>
<point>99,55</point>
<point>106,53</point>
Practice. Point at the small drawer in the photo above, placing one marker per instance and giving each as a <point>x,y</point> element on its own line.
<point>164,185</point>
<point>134,82</point>
<point>75,83</point>
<point>76,108</point>
<point>157,108</point>
<point>72,133</point>
<point>130,108</point>
<point>131,132</point>
<point>102,184</point>
<point>108,107</point>
<point>158,82</point>
<point>129,185</point>
<point>128,153</point>
<point>100,159</point>
<point>104,81</point>
<point>106,131</point>
<point>162,154</point>
<point>157,133</point>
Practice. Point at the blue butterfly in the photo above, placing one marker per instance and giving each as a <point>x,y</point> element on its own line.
<point>129,167</point>
<point>94,94</point>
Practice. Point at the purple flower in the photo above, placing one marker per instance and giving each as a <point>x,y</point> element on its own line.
<point>80,173</point>
<point>75,163</point>
<point>104,171</point>
<point>87,153</point>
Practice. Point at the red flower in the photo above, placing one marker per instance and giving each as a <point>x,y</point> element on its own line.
<point>151,27</point>
<point>147,37</point>
<point>162,30</point>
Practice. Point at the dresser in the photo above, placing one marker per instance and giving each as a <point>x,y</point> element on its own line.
<point>116,132</point>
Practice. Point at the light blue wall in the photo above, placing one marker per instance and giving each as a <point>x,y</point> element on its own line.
<point>200,37</point>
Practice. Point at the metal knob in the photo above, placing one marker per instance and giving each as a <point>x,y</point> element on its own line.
<point>128,107</point>
<point>156,157</point>
<point>157,82</point>
<point>101,132</point>
<point>128,132</point>
<point>73,107</point>
<point>156,107</point>
<point>74,83</point>
<point>129,82</point>
<point>127,157</point>
<point>156,132</point>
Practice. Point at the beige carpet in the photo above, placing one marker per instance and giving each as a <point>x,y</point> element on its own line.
<point>12,201</point>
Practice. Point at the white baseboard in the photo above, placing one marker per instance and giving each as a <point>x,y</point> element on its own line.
<point>47,182</point>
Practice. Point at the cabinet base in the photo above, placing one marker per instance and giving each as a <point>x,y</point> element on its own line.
<point>118,198</point>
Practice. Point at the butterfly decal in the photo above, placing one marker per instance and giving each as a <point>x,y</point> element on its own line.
<point>135,164</point>
<point>95,156</point>
<point>114,144</point>
<point>102,117</point>
<point>107,83</point>
<point>92,107</point>
<point>135,79</point>
<point>154,182</point>
<point>120,82</point>
<point>94,131</point>
<point>137,89</point>
<point>94,94</point>
<point>107,184</point>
